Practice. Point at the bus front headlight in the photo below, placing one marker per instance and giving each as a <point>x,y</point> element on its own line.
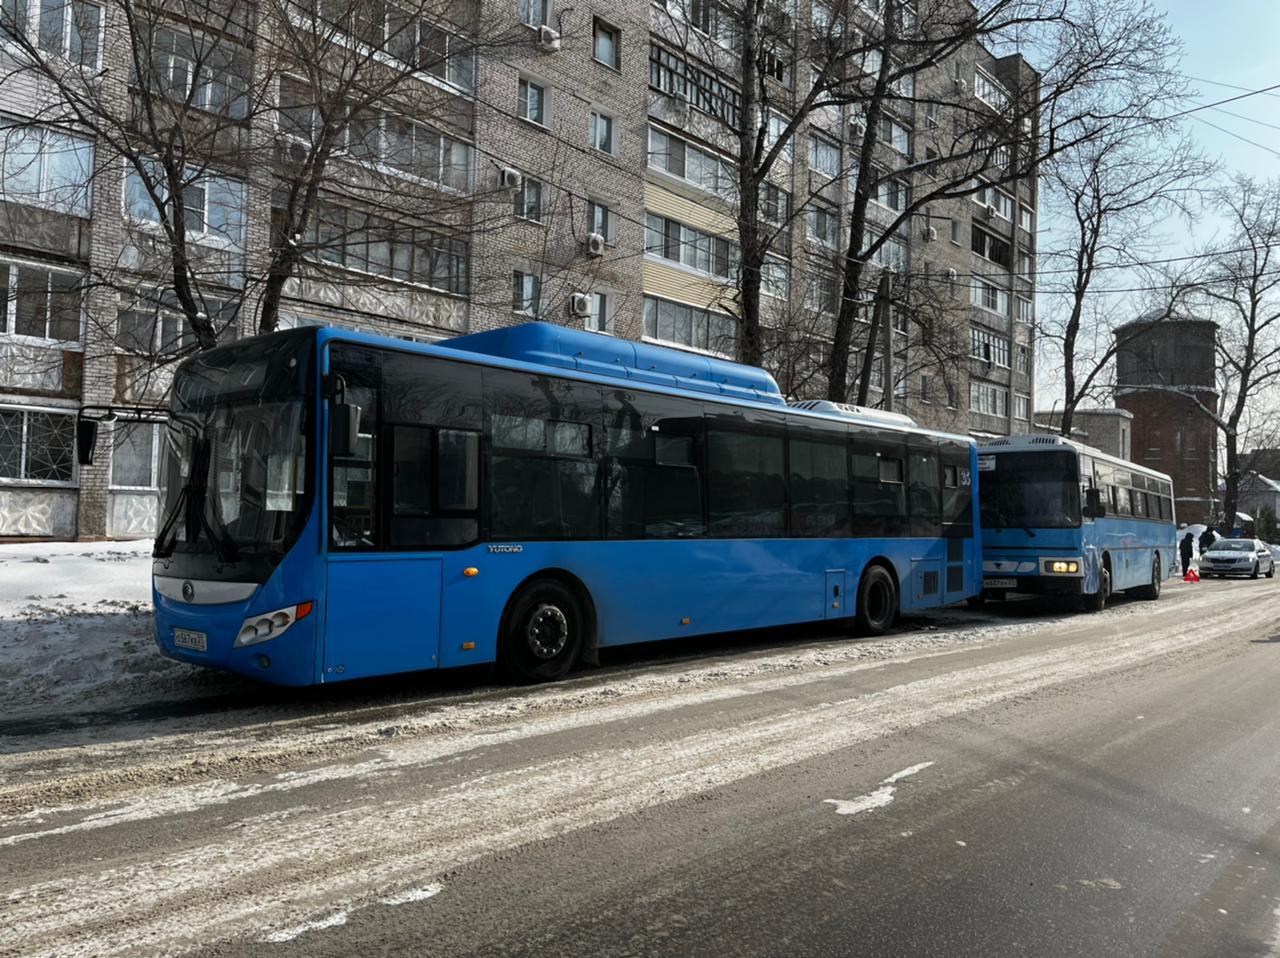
<point>268,625</point>
<point>1062,566</point>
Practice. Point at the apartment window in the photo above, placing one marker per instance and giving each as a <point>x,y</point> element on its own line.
<point>957,231</point>
<point>1026,311</point>
<point>679,324</point>
<point>437,52</point>
<point>989,347</point>
<point>824,224</point>
<point>1022,359</point>
<point>672,74</point>
<point>988,195</point>
<point>134,455</point>
<point>72,30</point>
<point>987,295</point>
<point>602,219</point>
<point>824,155</point>
<point>41,303</point>
<point>1026,266</point>
<point>893,193</point>
<point>988,399</point>
<point>1021,407</point>
<point>533,102</point>
<point>775,130</point>
<point>892,254</point>
<point>355,240</point>
<point>823,295</point>
<point>690,163</point>
<point>528,200</point>
<point>535,13</point>
<point>37,446</point>
<point>213,206</point>
<point>1027,218</point>
<point>526,293</point>
<point>989,91</point>
<point>146,332</point>
<point>425,153</point>
<point>45,168</point>
<point>600,319</point>
<point>895,134</point>
<point>990,247</point>
<point>776,64</point>
<point>707,254</point>
<point>211,74</point>
<point>602,132</point>
<point>775,277</point>
<point>605,45</point>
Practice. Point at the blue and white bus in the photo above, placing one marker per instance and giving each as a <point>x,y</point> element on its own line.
<point>337,505</point>
<point>1060,518</point>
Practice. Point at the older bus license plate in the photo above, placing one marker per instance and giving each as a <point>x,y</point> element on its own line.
<point>187,639</point>
<point>999,583</point>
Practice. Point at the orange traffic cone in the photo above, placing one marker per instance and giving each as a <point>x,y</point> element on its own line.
<point>1191,576</point>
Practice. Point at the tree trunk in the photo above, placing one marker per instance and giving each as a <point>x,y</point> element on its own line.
<point>1230,482</point>
<point>750,350</point>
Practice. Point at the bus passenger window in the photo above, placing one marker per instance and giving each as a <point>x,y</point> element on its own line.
<point>459,473</point>
<point>925,494</point>
<point>746,487</point>
<point>411,470</point>
<point>879,496</point>
<point>819,489</point>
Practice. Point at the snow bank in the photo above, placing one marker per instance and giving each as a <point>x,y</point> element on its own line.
<point>76,629</point>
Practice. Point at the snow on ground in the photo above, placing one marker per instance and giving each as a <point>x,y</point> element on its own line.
<point>75,628</point>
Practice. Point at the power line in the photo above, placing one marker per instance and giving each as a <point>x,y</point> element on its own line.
<point>1228,86</point>
<point>1237,136</point>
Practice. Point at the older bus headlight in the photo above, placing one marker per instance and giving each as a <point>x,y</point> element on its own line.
<point>1062,566</point>
<point>268,625</point>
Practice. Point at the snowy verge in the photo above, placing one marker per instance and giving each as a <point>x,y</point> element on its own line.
<point>76,629</point>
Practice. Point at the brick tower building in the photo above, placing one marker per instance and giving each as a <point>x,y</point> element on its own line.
<point>1164,371</point>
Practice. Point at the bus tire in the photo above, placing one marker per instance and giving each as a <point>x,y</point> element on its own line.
<point>1097,601</point>
<point>877,601</point>
<point>543,632</point>
<point>1151,592</point>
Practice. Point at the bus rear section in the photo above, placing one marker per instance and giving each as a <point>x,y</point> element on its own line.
<point>1062,519</point>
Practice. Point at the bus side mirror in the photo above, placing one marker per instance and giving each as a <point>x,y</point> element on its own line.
<point>86,440</point>
<point>344,429</point>
<point>1093,507</point>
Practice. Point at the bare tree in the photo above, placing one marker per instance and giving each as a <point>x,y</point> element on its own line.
<point>1240,289</point>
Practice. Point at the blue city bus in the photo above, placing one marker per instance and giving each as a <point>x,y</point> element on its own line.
<point>1060,518</point>
<point>338,505</point>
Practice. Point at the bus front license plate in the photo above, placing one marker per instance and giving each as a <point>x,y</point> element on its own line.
<point>999,583</point>
<point>187,639</point>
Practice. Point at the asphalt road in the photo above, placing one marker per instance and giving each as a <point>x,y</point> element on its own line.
<point>1020,782</point>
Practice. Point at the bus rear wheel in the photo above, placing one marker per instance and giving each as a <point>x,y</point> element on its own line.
<point>877,601</point>
<point>542,632</point>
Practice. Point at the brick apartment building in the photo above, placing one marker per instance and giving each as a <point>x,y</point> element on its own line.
<point>578,149</point>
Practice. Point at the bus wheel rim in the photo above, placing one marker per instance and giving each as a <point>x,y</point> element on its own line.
<point>547,632</point>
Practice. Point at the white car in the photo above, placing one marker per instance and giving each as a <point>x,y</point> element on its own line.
<point>1249,557</point>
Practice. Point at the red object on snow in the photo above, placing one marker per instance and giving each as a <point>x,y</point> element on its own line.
<point>1191,576</point>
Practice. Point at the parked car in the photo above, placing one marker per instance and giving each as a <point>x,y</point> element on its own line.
<point>1250,557</point>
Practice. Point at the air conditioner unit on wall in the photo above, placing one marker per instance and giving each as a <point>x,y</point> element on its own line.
<point>595,244</point>
<point>952,275</point>
<point>510,178</point>
<point>961,85</point>
<point>930,234</point>
<point>991,211</point>
<point>548,39</point>
<point>580,304</point>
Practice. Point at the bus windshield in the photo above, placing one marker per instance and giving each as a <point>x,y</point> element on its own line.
<point>1029,490</point>
<point>234,488</point>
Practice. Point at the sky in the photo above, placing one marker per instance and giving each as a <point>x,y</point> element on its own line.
<point>1226,44</point>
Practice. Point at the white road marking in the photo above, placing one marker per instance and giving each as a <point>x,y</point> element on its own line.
<point>881,797</point>
<point>413,894</point>
<point>288,934</point>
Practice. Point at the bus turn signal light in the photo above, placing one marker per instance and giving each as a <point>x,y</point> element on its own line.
<point>470,570</point>
<point>304,609</point>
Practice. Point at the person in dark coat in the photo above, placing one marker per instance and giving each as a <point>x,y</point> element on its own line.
<point>1185,548</point>
<point>1207,539</point>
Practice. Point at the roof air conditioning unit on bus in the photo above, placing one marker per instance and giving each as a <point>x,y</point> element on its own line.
<point>595,244</point>
<point>548,39</point>
<point>580,305</point>
<point>510,178</point>
<point>930,234</point>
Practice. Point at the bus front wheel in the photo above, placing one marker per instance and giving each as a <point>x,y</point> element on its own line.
<point>1097,601</point>
<point>542,632</point>
<point>877,601</point>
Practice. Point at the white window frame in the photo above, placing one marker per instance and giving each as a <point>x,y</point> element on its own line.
<point>42,199</point>
<point>25,444</point>
<point>610,225</point>
<point>980,287</point>
<point>156,439</point>
<point>990,90</point>
<point>204,236</point>
<point>989,195</point>
<point>827,212</point>
<point>599,26</point>
<point>1026,311</point>
<point>601,119</point>
<point>820,144</point>
<point>529,84</point>
<point>522,198</point>
<point>32,29</point>
<point>531,292</point>
<point>1021,407</point>
<point>535,13</point>
<point>595,322</point>
<point>9,306</point>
